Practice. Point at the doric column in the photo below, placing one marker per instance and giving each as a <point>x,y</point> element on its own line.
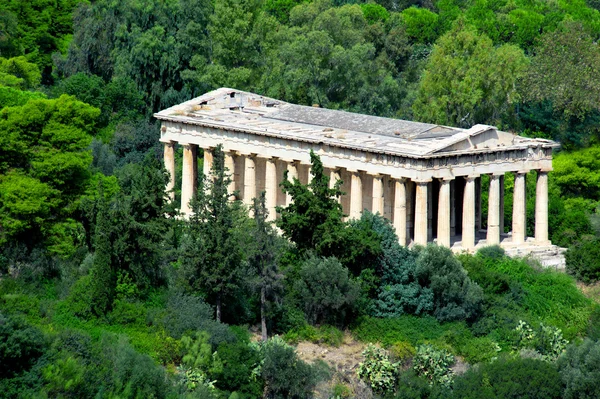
<point>188,177</point>
<point>377,194</point>
<point>468,227</point>
<point>421,212</point>
<point>249,179</point>
<point>292,168</point>
<point>541,207</point>
<point>309,175</point>
<point>400,209</point>
<point>230,165</point>
<point>452,208</point>
<point>271,187</point>
<point>519,215</point>
<point>430,212</point>
<point>501,204</point>
<point>478,204</point>
<point>208,161</point>
<point>355,195</point>
<point>169,159</point>
<point>334,176</point>
<point>493,228</point>
<point>443,225</point>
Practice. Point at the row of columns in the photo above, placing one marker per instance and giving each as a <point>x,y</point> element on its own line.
<point>423,210</point>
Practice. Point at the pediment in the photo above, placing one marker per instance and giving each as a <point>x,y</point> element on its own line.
<point>477,138</point>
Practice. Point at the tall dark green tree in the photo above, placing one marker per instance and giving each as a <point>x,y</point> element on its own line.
<point>213,252</point>
<point>264,260</point>
<point>313,221</point>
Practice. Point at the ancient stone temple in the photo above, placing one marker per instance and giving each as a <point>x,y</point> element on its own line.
<point>425,178</point>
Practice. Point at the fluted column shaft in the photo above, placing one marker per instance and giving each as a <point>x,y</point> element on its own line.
<point>443,225</point>
<point>501,204</point>
<point>249,179</point>
<point>271,188</point>
<point>493,228</point>
<point>334,176</point>
<point>519,210</point>
<point>169,159</point>
<point>377,194</point>
<point>400,209</point>
<point>468,227</point>
<point>355,195</point>
<point>208,162</point>
<point>541,207</point>
<point>230,166</point>
<point>421,212</point>
<point>292,168</point>
<point>188,177</point>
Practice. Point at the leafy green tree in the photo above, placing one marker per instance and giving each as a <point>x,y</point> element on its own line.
<point>264,261</point>
<point>213,252</point>
<point>19,73</point>
<point>583,260</point>
<point>326,291</point>
<point>21,345</point>
<point>313,221</point>
<point>563,73</point>
<point>421,24</point>
<point>468,81</point>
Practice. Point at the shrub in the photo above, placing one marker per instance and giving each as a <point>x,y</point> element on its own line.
<point>508,378</point>
<point>377,370</point>
<point>579,370</point>
<point>546,340</point>
<point>325,334</point>
<point>434,364</point>
<point>284,374</point>
<point>402,351</point>
<point>326,290</point>
<point>455,296</point>
<point>20,346</point>
<point>583,260</point>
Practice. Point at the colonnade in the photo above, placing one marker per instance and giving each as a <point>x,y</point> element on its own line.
<point>419,209</point>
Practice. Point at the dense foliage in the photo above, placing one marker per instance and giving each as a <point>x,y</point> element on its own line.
<point>105,291</point>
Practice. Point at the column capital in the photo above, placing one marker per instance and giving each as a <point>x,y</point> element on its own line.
<point>470,178</point>
<point>446,180</point>
<point>545,170</point>
<point>422,181</point>
<point>399,179</point>
<point>497,174</point>
<point>522,172</point>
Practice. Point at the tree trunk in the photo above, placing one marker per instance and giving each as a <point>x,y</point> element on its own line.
<point>263,316</point>
<point>218,307</point>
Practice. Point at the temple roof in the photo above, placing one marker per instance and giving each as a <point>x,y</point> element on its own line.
<point>243,111</point>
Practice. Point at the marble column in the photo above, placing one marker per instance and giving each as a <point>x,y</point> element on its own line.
<point>271,187</point>
<point>292,168</point>
<point>189,177</point>
<point>519,210</point>
<point>169,159</point>
<point>309,175</point>
<point>249,179</point>
<point>452,208</point>
<point>468,227</point>
<point>355,195</point>
<point>230,172</point>
<point>421,212</point>
<point>430,212</point>
<point>208,162</point>
<point>377,194</point>
<point>501,204</point>
<point>443,224</point>
<point>400,210</point>
<point>478,204</point>
<point>541,207</point>
<point>493,228</point>
<point>334,176</point>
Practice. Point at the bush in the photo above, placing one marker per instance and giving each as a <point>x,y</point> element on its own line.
<point>509,378</point>
<point>579,370</point>
<point>21,346</point>
<point>377,370</point>
<point>434,365</point>
<point>326,290</point>
<point>325,334</point>
<point>583,260</point>
<point>411,329</point>
<point>455,296</point>
<point>284,374</point>
<point>402,351</point>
